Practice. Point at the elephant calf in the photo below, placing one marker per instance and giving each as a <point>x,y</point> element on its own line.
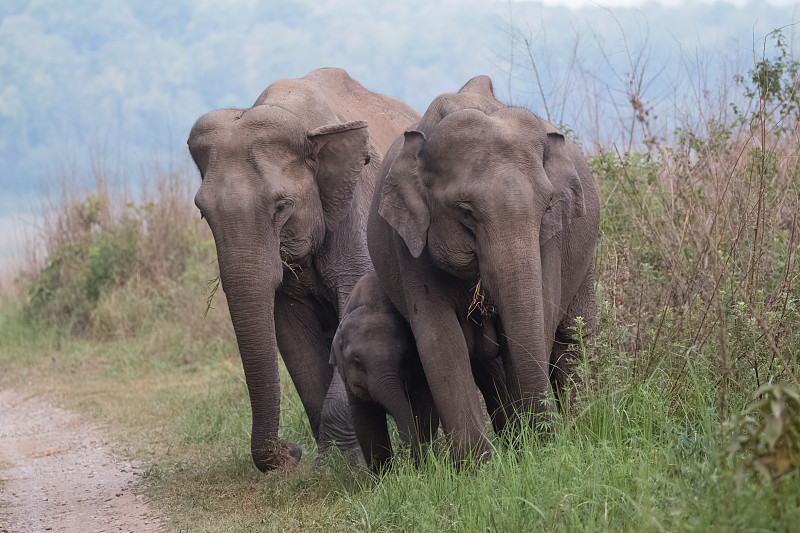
<point>377,358</point>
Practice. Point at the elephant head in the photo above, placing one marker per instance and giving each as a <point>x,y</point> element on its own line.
<point>375,354</point>
<point>489,192</point>
<point>270,189</point>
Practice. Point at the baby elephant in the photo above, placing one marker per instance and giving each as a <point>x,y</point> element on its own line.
<point>377,358</point>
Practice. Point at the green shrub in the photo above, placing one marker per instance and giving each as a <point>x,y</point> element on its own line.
<point>773,86</point>
<point>766,437</point>
<point>111,258</point>
<point>112,265</point>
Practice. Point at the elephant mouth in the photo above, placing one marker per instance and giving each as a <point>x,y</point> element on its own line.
<point>464,266</point>
<point>361,393</point>
<point>481,307</point>
<point>290,263</point>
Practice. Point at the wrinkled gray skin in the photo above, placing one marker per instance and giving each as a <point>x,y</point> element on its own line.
<point>481,191</point>
<point>375,353</point>
<point>286,187</point>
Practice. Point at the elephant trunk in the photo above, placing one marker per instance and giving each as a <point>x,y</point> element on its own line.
<point>513,278</point>
<point>250,276</point>
<point>391,395</point>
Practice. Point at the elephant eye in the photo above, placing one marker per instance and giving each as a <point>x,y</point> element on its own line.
<point>282,207</point>
<point>466,214</point>
<point>358,365</point>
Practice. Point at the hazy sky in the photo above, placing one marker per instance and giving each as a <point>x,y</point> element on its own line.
<point>577,4</point>
<point>120,82</point>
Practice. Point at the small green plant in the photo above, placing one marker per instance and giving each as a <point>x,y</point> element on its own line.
<point>775,84</point>
<point>766,437</point>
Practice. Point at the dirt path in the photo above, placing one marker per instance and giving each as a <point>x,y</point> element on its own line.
<point>57,473</point>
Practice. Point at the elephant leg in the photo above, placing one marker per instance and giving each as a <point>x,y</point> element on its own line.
<point>445,359</point>
<point>490,379</point>
<point>563,357</point>
<point>425,416</point>
<point>300,327</point>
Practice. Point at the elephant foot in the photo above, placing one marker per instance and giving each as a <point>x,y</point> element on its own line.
<point>468,455</point>
<point>350,453</point>
<point>282,455</point>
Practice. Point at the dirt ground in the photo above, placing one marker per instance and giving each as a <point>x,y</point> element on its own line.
<point>58,473</point>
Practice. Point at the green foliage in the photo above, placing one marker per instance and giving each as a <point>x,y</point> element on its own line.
<point>110,259</point>
<point>567,130</point>
<point>766,437</point>
<point>762,163</point>
<point>715,139</point>
<point>775,84</point>
<point>141,252</point>
<point>56,293</point>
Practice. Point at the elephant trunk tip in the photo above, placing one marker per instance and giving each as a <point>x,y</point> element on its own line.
<point>283,455</point>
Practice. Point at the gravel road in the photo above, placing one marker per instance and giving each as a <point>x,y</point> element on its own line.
<point>57,473</point>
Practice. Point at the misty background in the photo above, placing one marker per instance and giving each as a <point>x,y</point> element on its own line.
<point>116,85</point>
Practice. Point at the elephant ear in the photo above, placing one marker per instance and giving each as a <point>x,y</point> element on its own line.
<point>402,204</point>
<point>336,347</point>
<point>339,152</point>
<point>568,200</point>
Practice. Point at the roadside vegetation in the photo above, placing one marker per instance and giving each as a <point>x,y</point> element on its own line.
<point>687,412</point>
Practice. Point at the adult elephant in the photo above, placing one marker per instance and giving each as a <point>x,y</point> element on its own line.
<point>482,192</point>
<point>285,189</point>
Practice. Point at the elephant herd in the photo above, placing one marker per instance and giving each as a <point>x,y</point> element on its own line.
<point>399,263</point>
